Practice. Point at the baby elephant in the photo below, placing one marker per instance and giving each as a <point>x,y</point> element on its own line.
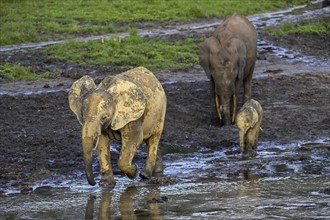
<point>129,107</point>
<point>248,121</point>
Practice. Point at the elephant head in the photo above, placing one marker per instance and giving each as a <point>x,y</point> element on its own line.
<point>223,59</point>
<point>110,106</point>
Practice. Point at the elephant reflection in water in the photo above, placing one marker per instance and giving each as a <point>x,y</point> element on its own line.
<point>126,205</point>
<point>249,184</point>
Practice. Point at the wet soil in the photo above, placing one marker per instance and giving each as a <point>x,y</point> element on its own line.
<point>315,45</point>
<point>40,136</point>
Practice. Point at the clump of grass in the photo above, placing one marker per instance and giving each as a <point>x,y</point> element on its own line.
<point>318,27</point>
<point>128,52</point>
<point>16,72</point>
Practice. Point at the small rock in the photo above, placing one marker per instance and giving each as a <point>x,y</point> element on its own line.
<point>26,189</point>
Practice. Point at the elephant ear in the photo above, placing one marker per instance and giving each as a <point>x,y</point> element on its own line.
<point>129,101</point>
<point>241,50</point>
<point>255,117</point>
<point>77,93</point>
<point>204,53</point>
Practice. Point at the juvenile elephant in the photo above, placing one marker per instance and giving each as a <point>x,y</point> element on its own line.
<point>248,122</point>
<point>228,59</point>
<point>129,107</point>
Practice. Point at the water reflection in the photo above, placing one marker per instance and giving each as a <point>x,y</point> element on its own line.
<point>128,204</point>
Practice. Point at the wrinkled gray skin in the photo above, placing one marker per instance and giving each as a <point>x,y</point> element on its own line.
<point>248,121</point>
<point>129,107</point>
<point>228,59</point>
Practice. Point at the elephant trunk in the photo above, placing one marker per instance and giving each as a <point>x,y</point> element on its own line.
<point>87,144</point>
<point>226,110</point>
<point>228,101</point>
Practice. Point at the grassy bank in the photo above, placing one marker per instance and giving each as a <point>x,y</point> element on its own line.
<point>42,20</point>
<point>306,27</point>
<point>14,72</point>
<point>128,52</point>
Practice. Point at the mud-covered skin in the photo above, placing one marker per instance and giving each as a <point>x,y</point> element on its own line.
<point>228,59</point>
<point>248,122</point>
<point>129,107</point>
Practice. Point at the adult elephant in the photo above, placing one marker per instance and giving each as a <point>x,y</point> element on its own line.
<point>129,107</point>
<point>228,59</point>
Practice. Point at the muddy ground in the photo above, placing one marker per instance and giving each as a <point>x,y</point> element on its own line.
<point>40,136</point>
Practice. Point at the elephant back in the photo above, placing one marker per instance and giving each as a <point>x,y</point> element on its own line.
<point>241,28</point>
<point>144,79</point>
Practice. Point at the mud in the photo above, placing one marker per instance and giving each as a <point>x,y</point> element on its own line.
<point>40,137</point>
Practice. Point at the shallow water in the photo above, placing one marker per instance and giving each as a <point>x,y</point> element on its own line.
<point>282,181</point>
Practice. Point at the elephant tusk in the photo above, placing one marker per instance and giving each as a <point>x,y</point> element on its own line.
<point>261,129</point>
<point>218,106</point>
<point>234,109</point>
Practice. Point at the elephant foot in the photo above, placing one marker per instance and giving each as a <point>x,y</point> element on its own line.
<point>216,122</point>
<point>248,153</point>
<point>159,167</point>
<point>107,181</point>
<point>107,184</point>
<point>132,172</point>
<point>146,174</point>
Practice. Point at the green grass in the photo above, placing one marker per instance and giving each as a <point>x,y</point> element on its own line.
<point>128,52</point>
<point>315,27</point>
<point>10,72</point>
<point>25,21</point>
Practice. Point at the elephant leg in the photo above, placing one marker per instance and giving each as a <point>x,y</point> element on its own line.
<point>159,167</point>
<point>103,149</point>
<point>132,137</point>
<point>214,108</point>
<point>234,100</point>
<point>248,87</point>
<point>252,138</point>
<point>149,167</point>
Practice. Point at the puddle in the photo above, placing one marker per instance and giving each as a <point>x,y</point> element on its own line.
<point>208,184</point>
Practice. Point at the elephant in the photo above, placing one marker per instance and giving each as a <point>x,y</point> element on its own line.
<point>228,59</point>
<point>248,121</point>
<point>129,107</point>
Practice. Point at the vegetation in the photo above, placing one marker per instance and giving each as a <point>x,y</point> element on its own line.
<point>314,27</point>
<point>16,72</point>
<point>128,52</point>
<point>42,20</point>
